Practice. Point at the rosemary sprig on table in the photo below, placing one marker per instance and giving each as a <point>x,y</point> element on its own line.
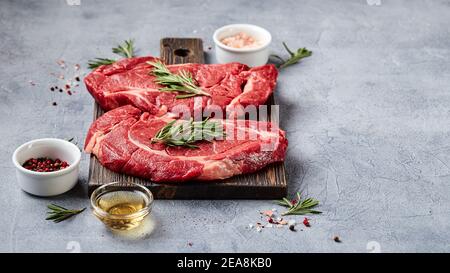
<point>294,58</point>
<point>125,50</point>
<point>186,133</point>
<point>181,82</point>
<point>58,214</point>
<point>298,206</point>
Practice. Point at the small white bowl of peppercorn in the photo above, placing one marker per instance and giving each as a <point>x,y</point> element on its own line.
<point>47,166</point>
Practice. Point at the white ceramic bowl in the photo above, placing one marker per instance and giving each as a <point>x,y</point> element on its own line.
<point>250,56</point>
<point>47,183</point>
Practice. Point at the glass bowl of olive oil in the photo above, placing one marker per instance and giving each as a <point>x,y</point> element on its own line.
<point>121,206</point>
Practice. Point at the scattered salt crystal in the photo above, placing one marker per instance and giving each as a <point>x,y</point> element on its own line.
<point>32,82</point>
<point>250,225</point>
<point>76,67</point>
<point>268,213</point>
<point>291,222</point>
<point>269,225</point>
<point>258,229</point>
<point>279,226</point>
<point>61,76</point>
<point>61,63</point>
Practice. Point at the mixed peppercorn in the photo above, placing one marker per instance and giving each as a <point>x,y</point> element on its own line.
<point>69,79</point>
<point>44,164</point>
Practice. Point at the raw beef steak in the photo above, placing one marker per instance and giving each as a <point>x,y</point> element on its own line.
<point>121,140</point>
<point>128,82</point>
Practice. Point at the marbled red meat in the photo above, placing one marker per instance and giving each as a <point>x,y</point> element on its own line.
<point>129,82</point>
<point>121,140</point>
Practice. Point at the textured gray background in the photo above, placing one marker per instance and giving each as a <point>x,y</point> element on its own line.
<point>367,118</point>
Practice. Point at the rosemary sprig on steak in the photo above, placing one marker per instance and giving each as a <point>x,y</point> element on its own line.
<point>294,58</point>
<point>58,214</point>
<point>298,206</point>
<point>125,50</point>
<point>186,133</point>
<point>99,61</point>
<point>181,82</point>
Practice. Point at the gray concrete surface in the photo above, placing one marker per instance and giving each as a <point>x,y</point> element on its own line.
<point>367,118</point>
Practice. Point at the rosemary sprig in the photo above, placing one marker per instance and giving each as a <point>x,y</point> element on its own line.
<point>186,133</point>
<point>99,61</point>
<point>181,82</point>
<point>298,206</point>
<point>294,58</point>
<point>125,50</point>
<point>57,213</point>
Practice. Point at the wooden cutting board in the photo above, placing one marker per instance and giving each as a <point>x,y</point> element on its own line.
<point>268,183</point>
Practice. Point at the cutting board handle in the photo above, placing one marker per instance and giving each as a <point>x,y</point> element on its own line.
<point>182,50</point>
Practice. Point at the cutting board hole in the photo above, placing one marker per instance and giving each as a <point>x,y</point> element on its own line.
<point>182,52</point>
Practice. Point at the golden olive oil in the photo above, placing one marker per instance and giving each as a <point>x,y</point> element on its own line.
<point>123,209</point>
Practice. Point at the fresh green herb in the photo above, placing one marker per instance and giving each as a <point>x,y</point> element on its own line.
<point>298,206</point>
<point>58,214</point>
<point>186,133</point>
<point>125,50</point>
<point>294,58</point>
<point>92,64</point>
<point>181,82</point>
